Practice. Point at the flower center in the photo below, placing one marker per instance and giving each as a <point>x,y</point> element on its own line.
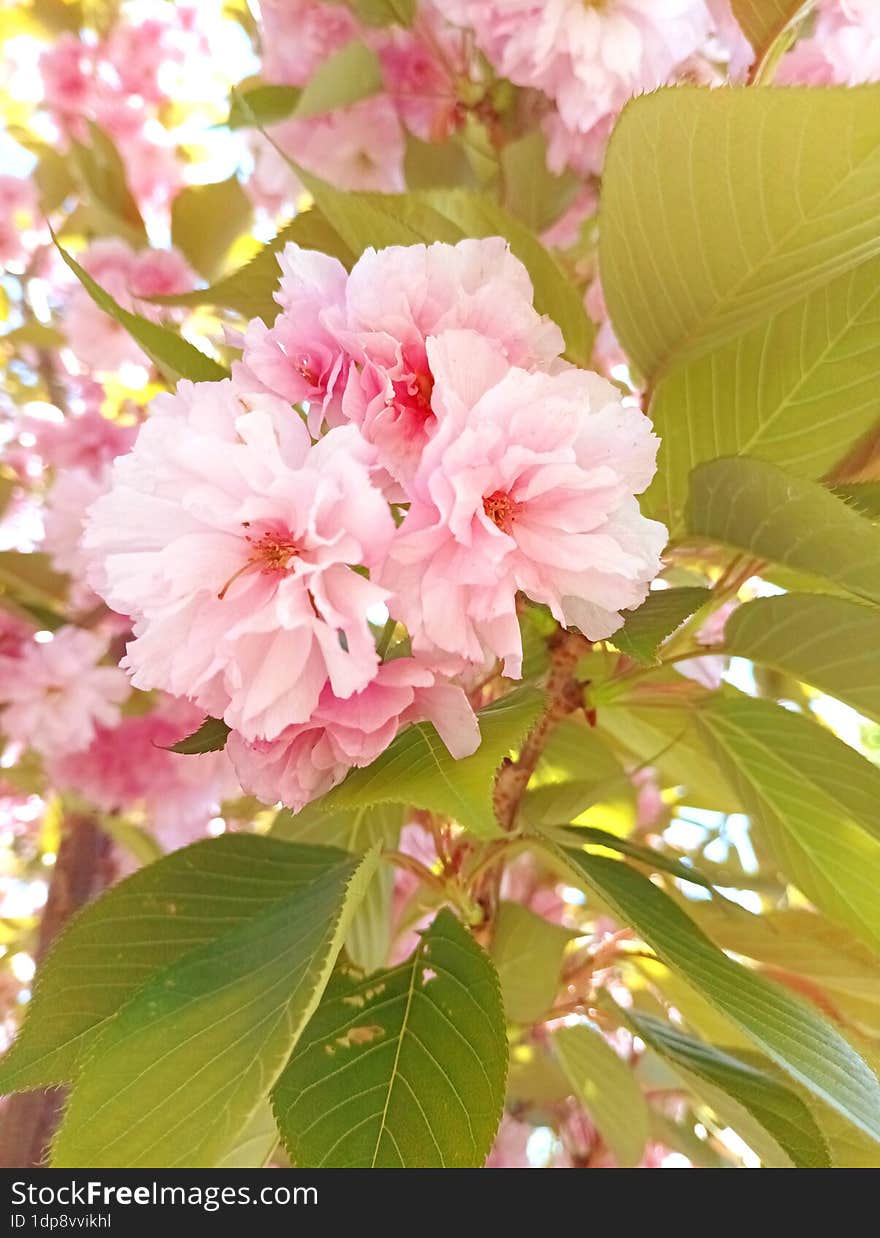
<point>271,552</point>
<point>500,508</point>
<point>414,393</point>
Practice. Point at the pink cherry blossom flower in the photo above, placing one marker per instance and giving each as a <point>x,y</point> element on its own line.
<point>305,761</point>
<point>510,1149</point>
<point>529,485</point>
<point>129,766</point>
<point>18,210</point>
<point>232,543</point>
<point>54,695</point>
<point>396,299</point>
<point>300,357</point>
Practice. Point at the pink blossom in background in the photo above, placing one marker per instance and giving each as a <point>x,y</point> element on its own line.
<point>127,766</point>
<point>86,442</point>
<point>229,538</point>
<point>70,497</point>
<point>510,1149</point>
<point>67,69</point>
<point>588,59</point>
<point>18,214</point>
<point>708,670</point>
<point>843,47</point>
<point>97,339</point>
<point>299,35</point>
<point>418,843</point>
<point>650,807</point>
<point>305,761</point>
<point>527,485</point>
<point>359,147</point>
<point>608,355</point>
<point>54,694</point>
<point>420,67</point>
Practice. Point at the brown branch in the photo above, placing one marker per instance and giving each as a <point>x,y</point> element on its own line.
<point>564,696</point>
<point>82,869</point>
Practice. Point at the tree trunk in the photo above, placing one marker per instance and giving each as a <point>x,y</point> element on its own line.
<point>82,869</point>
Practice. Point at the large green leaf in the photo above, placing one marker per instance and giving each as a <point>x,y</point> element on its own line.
<point>174,355</point>
<point>744,202</point>
<point>527,952</point>
<point>756,507</point>
<point>798,389</point>
<point>608,1088</point>
<point>777,1108</point>
<point>826,641</point>
<point>185,1064</point>
<point>531,192</point>
<point>788,1031</point>
<point>659,615</point>
<point>182,903</point>
<point>418,770</point>
<point>816,799</point>
<point>403,1069</point>
<point>206,220</point>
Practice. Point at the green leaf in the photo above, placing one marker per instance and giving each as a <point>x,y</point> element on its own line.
<point>608,1088</point>
<point>348,75</point>
<point>403,1069</point>
<point>102,171</point>
<point>801,943</point>
<point>816,799</point>
<point>657,861</point>
<point>799,389</point>
<point>385,12</point>
<point>256,1142</point>
<point>206,220</point>
<point>531,192</point>
<point>174,356</point>
<point>418,770</point>
<point>211,736</point>
<point>864,496</point>
<point>664,736</point>
<point>660,614</point>
<point>262,104</point>
<point>745,202</point>
<point>188,900</point>
<point>828,642</point>
<point>187,1061</point>
<point>527,952</point>
<point>30,580</point>
<point>778,1109</point>
<point>249,291</point>
<point>369,936</point>
<point>788,1031</point>
<point>763,21</point>
<point>758,508</point>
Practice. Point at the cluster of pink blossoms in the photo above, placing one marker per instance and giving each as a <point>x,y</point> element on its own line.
<point>405,438</point>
